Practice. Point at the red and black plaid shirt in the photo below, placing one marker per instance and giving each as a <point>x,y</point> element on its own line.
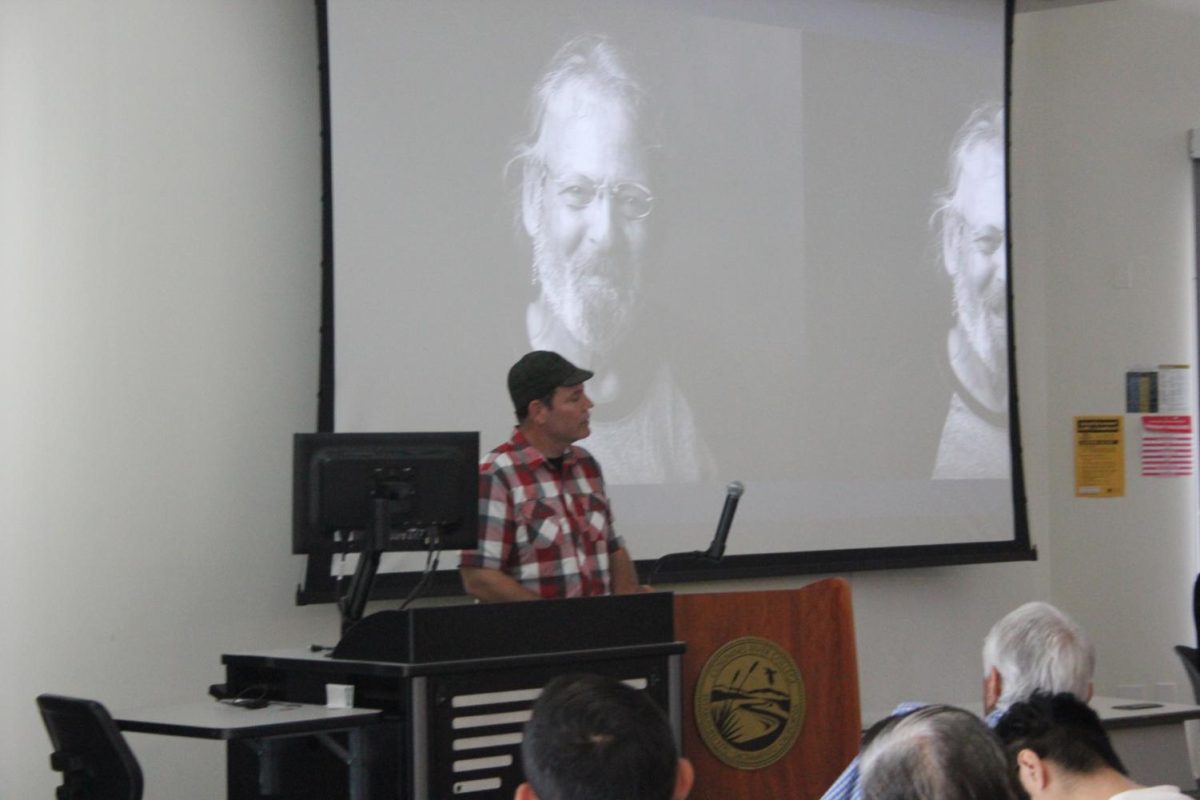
<point>551,530</point>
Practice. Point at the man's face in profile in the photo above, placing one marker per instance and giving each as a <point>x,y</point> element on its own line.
<point>585,209</point>
<point>975,253</point>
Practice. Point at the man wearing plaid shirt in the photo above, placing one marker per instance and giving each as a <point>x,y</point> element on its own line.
<point>545,526</point>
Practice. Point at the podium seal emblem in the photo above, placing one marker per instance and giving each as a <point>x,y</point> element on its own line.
<point>749,703</point>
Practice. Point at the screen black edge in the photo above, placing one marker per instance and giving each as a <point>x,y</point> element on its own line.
<point>320,587</point>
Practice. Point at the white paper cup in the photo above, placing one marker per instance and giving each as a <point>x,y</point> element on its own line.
<point>339,695</point>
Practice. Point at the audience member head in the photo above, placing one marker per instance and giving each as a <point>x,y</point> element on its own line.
<point>1035,648</point>
<point>935,753</point>
<point>594,738</point>
<point>1056,745</point>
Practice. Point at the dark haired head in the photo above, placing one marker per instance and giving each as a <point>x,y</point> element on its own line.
<point>594,738</point>
<point>1060,728</point>
<point>537,375</point>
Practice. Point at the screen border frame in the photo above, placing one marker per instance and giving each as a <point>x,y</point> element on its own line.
<point>319,584</point>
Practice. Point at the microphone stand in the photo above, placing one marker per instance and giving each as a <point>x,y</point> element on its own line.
<point>715,553</point>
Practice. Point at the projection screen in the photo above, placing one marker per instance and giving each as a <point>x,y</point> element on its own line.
<point>775,229</point>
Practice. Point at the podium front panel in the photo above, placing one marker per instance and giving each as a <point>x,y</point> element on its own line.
<point>472,728</point>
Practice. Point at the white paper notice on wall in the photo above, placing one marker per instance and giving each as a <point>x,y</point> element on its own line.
<point>1166,445</point>
<point>1173,394</point>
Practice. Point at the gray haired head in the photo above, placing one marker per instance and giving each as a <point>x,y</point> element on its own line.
<point>1038,648</point>
<point>595,62</point>
<point>983,128</point>
<point>935,753</point>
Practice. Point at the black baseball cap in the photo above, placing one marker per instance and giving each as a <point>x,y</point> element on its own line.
<point>538,374</point>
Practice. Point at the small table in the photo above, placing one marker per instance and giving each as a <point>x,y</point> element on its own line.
<point>259,728</point>
<point>1151,738</point>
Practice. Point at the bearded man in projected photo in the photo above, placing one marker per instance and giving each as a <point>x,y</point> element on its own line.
<point>971,212</point>
<point>587,203</point>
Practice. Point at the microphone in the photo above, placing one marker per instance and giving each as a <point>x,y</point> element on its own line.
<point>716,551</point>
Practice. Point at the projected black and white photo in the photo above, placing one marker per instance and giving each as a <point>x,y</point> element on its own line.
<point>587,205</point>
<point>973,223</point>
<point>776,232</point>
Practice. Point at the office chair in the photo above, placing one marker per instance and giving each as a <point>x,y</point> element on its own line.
<point>1190,657</point>
<point>89,751</point>
<point>1196,607</point>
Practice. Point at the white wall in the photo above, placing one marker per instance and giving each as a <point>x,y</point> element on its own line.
<point>160,226</point>
<point>1104,97</point>
<point>159,285</point>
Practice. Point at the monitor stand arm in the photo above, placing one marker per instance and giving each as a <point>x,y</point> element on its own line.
<point>355,600</point>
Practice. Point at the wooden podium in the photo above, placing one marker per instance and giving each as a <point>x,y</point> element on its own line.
<point>815,626</point>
